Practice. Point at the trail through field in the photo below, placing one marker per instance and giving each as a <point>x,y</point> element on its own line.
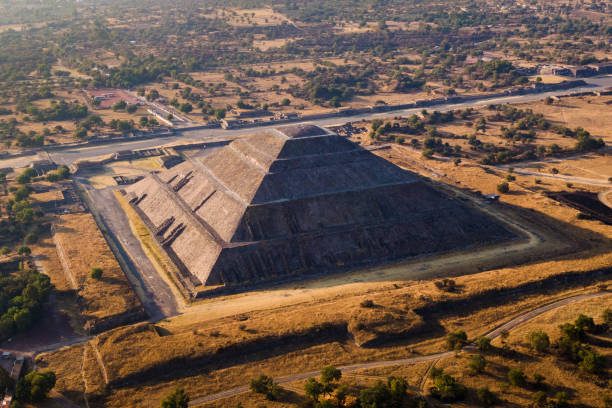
<point>413,360</point>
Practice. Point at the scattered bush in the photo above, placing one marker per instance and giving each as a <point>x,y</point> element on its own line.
<point>177,398</point>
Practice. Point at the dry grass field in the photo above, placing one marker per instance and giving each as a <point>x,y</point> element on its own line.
<point>82,247</point>
<point>220,343</point>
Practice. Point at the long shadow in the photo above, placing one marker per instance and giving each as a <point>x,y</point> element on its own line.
<point>257,350</point>
<point>573,242</point>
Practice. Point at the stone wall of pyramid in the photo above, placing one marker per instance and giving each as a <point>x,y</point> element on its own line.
<point>298,201</point>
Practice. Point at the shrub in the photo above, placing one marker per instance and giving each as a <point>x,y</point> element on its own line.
<point>367,303</point>
<point>24,250</point>
<point>96,273</point>
<point>540,399</point>
<point>447,389</point>
<point>516,377</point>
<point>539,379</point>
<point>592,362</point>
<point>562,399</point>
<point>484,344</point>
<point>313,389</point>
<point>487,397</point>
<point>539,341</point>
<point>330,374</point>
<point>572,332</point>
<point>265,385</point>
<point>477,364</point>
<point>584,323</point>
<point>447,285</point>
<point>503,188</point>
<point>456,340</point>
<point>177,398</point>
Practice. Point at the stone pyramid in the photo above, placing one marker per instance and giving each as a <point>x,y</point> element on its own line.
<point>297,201</point>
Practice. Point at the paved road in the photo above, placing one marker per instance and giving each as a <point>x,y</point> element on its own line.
<point>69,156</point>
<point>155,294</point>
<point>606,197</point>
<point>563,177</point>
<point>413,360</point>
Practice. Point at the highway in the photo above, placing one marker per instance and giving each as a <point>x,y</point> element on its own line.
<point>70,155</point>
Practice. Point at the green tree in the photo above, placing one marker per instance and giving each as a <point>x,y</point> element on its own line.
<point>21,193</point>
<point>592,362</point>
<point>377,396</point>
<point>265,385</point>
<point>313,389</point>
<point>80,133</point>
<point>35,386</point>
<point>584,323</point>
<point>131,108</point>
<point>329,375</point>
<point>176,399</point>
<point>456,340</point>
<point>516,377</point>
<point>447,389</point>
<point>539,341</point>
<point>186,107</point>
<point>119,105</point>
<point>26,176</point>
<point>484,344</point>
<point>477,364</point>
<point>63,172</point>
<point>24,250</point>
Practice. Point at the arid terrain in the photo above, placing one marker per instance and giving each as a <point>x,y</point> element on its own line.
<point>347,203</point>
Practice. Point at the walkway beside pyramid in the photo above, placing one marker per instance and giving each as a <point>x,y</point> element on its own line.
<point>298,201</point>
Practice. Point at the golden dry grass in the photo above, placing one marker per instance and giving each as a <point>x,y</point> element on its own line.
<point>83,246</point>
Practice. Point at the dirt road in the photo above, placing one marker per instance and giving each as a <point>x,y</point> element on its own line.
<point>413,360</point>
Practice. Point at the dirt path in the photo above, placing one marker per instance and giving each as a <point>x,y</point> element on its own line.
<point>413,360</point>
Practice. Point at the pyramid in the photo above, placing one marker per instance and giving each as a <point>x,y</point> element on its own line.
<point>297,201</point>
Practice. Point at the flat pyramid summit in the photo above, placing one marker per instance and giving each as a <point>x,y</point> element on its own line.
<point>297,201</point>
